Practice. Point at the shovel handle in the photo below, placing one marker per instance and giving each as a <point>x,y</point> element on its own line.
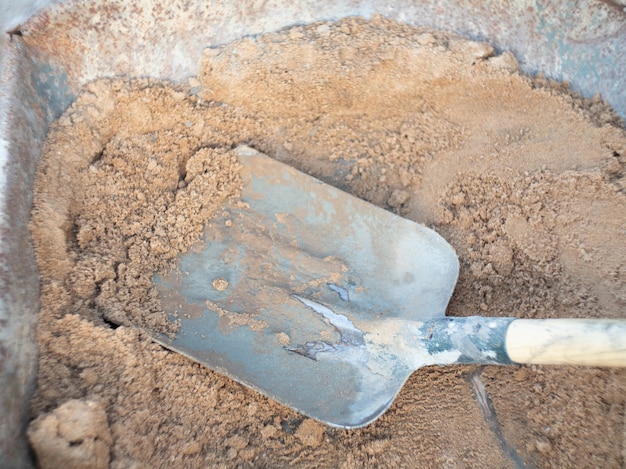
<point>589,342</point>
<point>510,341</point>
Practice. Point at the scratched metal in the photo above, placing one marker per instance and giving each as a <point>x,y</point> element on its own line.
<point>318,299</point>
<point>259,297</point>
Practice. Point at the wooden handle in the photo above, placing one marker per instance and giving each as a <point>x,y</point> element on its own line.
<point>590,342</point>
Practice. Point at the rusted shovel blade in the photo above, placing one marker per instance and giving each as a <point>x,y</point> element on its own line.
<point>287,283</point>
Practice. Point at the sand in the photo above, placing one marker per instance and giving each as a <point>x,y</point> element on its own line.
<point>522,176</point>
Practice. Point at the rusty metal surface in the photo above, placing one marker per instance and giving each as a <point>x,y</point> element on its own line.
<point>77,41</point>
<point>582,44</point>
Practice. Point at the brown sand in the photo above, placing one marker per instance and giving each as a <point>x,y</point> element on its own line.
<point>525,179</point>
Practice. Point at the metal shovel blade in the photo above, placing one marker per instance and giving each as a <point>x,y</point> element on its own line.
<point>286,285</point>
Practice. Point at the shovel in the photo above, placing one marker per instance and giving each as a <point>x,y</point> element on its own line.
<point>327,304</point>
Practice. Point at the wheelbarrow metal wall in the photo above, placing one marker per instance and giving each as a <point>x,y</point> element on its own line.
<point>77,41</point>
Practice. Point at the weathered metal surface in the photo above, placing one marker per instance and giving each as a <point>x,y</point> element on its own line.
<point>22,130</point>
<point>16,12</point>
<point>75,42</point>
<point>582,44</point>
<point>287,286</point>
<point>318,299</point>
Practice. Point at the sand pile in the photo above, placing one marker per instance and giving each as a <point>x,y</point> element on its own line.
<point>524,178</point>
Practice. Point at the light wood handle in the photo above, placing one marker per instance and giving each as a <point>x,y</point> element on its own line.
<point>590,342</point>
